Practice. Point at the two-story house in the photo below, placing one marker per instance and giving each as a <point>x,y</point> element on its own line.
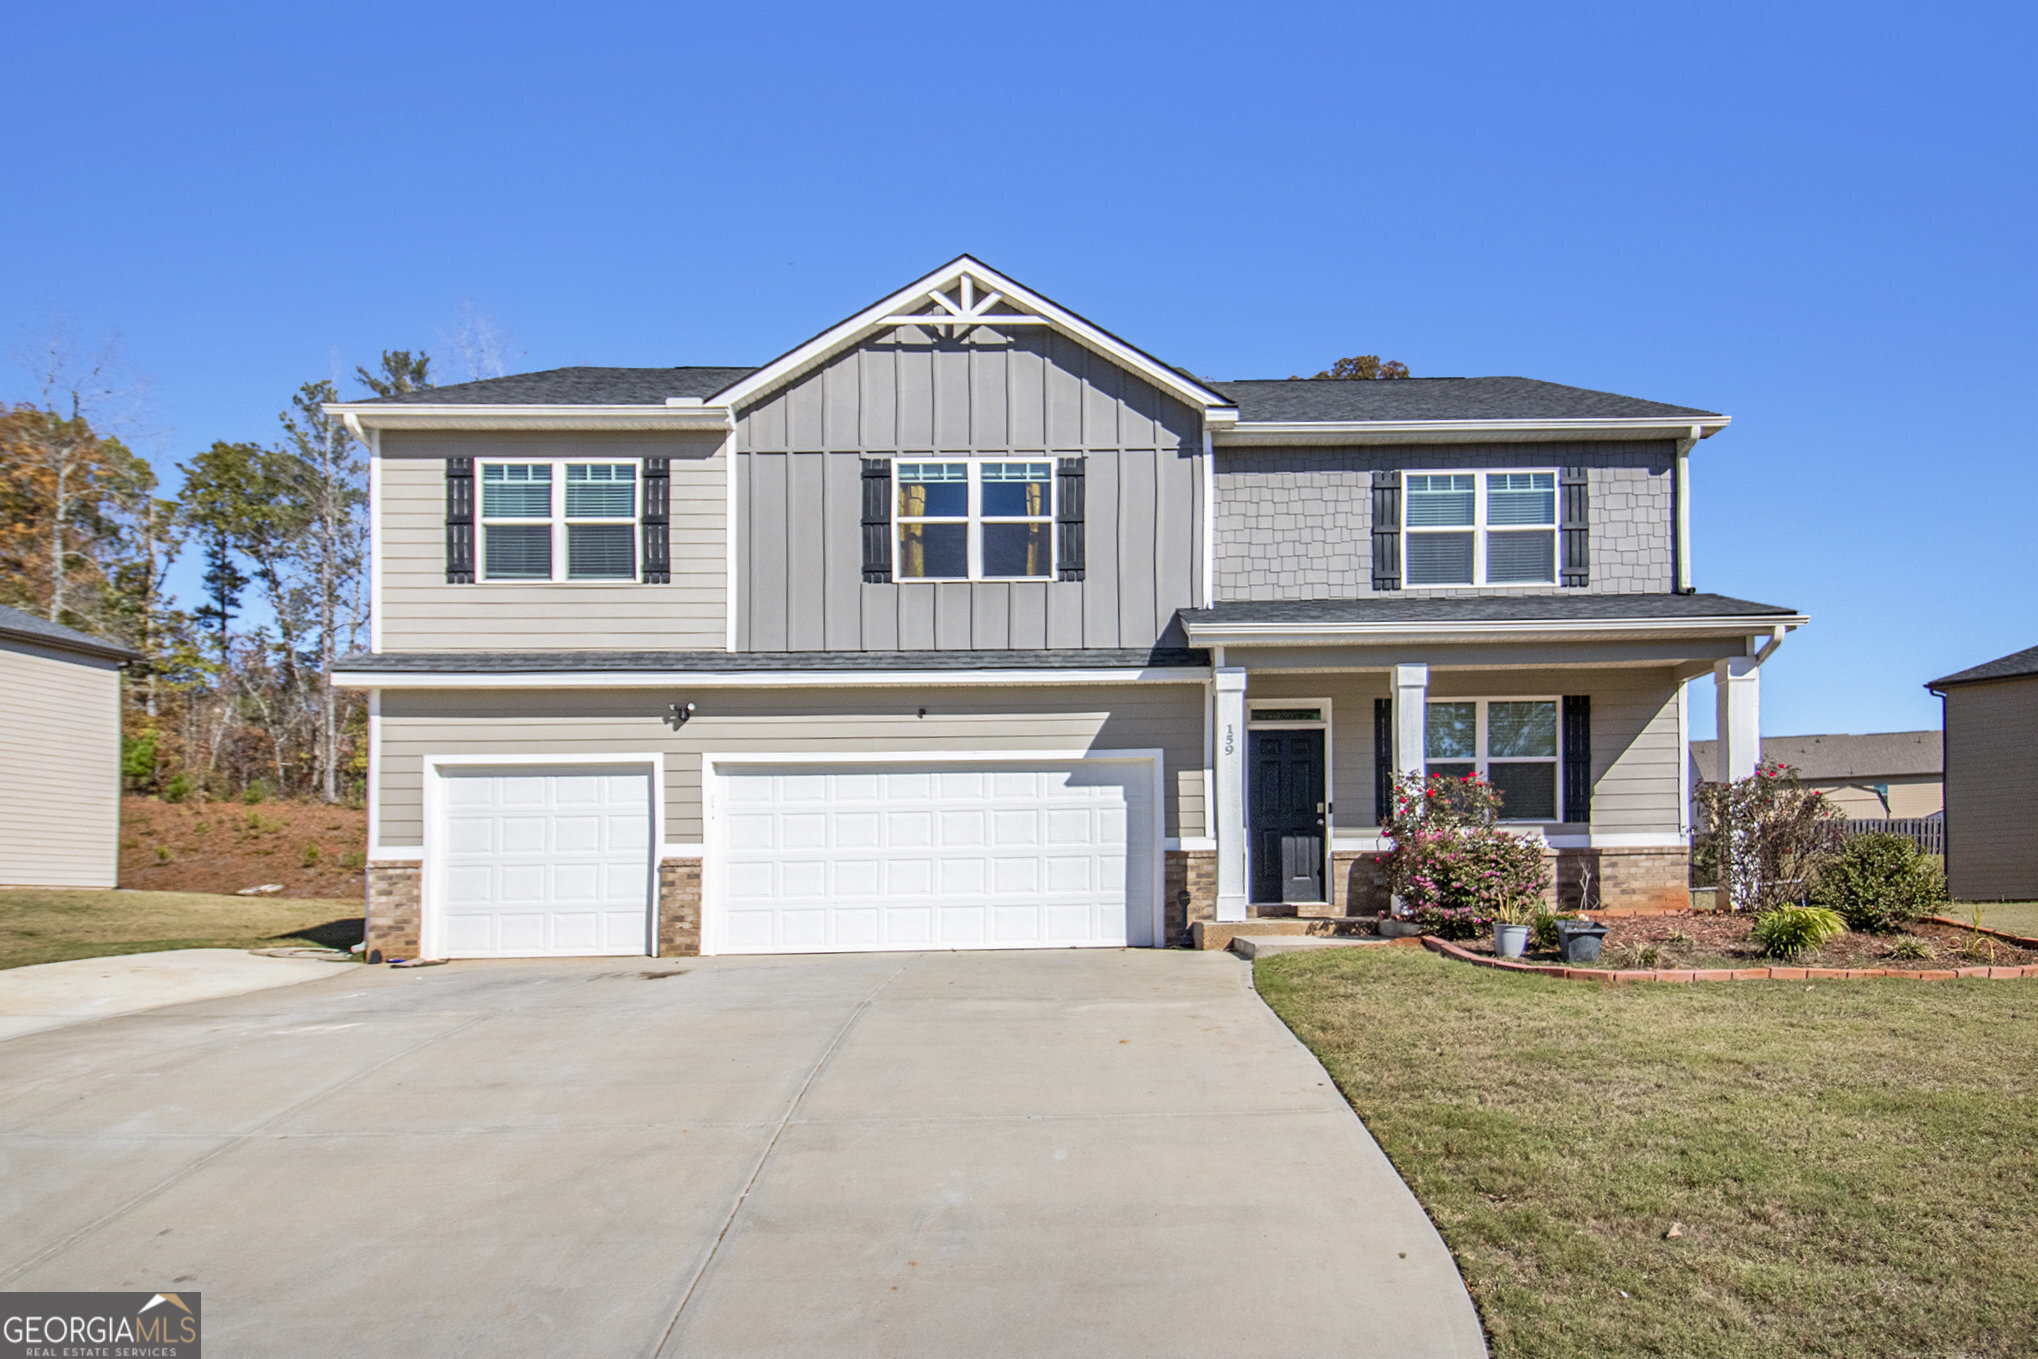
<point>967,624</point>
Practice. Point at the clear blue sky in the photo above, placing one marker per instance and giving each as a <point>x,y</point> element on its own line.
<point>1818,219</point>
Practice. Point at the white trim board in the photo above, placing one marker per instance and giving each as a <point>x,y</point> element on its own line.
<point>711,790</point>
<point>1247,433</point>
<point>764,679</point>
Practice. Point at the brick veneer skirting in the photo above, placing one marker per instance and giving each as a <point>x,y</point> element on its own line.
<point>679,908</point>
<point>1191,883</point>
<point>394,919</point>
<point>1624,879</point>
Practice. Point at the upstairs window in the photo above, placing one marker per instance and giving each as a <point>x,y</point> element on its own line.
<point>975,519</point>
<point>1472,528</point>
<point>530,530</point>
<point>1511,742</point>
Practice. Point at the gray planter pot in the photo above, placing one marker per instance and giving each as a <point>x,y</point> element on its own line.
<point>1510,941</point>
<point>1579,940</point>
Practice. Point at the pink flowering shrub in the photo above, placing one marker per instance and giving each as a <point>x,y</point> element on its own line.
<point>1452,868</point>
<point>1763,839</point>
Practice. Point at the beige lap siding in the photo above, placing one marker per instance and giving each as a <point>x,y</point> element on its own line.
<point>419,724</point>
<point>59,768</point>
<point>1637,764</point>
<point>421,612</point>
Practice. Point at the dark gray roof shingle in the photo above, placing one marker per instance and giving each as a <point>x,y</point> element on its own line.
<point>577,387</point>
<point>546,662</point>
<point>1485,609</point>
<point>1846,755</point>
<point>1407,399</point>
<point>1440,398</point>
<point>27,627</point>
<point>2012,666</point>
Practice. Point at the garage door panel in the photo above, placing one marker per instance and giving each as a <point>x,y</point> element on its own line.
<point>901,857</point>
<point>538,862</point>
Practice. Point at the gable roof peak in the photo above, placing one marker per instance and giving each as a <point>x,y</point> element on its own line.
<point>960,295</point>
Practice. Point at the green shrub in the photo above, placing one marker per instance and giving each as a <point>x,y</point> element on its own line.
<point>178,788</point>
<point>1911,949</point>
<point>255,793</point>
<point>162,854</point>
<point>1543,931</point>
<point>1879,883</point>
<point>310,855</point>
<point>1453,922</point>
<point>354,858</point>
<point>1790,931</point>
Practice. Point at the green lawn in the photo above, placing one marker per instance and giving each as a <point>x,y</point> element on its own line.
<point>40,925</point>
<point>1854,1164</point>
<point>2011,917</point>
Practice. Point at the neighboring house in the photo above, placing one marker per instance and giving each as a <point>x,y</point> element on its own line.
<point>59,754</point>
<point>1873,776</point>
<point>1991,720</point>
<point>966,624</point>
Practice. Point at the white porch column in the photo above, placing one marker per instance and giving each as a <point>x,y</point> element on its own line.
<point>1411,697</point>
<point>1230,821</point>
<point>1738,682</point>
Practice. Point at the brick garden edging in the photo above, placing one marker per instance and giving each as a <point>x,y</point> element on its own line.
<point>2003,935</point>
<point>1602,974</point>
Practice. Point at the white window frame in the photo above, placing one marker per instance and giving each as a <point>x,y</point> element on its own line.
<point>1479,528</point>
<point>976,518</point>
<point>1481,761</point>
<point>557,521</point>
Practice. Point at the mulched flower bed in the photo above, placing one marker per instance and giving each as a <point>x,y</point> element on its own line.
<point>1691,939</point>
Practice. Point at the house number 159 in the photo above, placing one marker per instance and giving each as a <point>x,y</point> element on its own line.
<point>1230,739</point>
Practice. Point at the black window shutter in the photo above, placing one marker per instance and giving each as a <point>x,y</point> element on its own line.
<point>1383,759</point>
<point>657,521</point>
<point>877,521</point>
<point>459,521</point>
<point>1387,530</point>
<point>1578,757</point>
<point>1574,514</point>
<point>1068,518</point>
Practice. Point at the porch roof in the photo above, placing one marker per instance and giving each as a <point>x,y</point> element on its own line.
<point>1448,617</point>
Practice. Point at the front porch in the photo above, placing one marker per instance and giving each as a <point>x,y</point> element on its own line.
<point>1582,723</point>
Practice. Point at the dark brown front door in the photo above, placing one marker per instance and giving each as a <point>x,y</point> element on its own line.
<point>1285,815</point>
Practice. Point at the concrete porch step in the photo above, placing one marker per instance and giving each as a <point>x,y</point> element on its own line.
<point>1214,934</point>
<point>1251,946</point>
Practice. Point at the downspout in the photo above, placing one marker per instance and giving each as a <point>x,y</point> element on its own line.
<point>1775,641</point>
<point>1681,491</point>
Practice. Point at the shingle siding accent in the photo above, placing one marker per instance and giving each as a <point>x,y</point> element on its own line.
<point>1296,523</point>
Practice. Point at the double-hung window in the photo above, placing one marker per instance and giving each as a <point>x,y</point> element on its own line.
<point>975,519</point>
<point>558,520</point>
<point>1480,528</point>
<point>1511,742</point>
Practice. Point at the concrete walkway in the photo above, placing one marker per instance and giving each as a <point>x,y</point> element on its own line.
<point>1039,1153</point>
<point>50,995</point>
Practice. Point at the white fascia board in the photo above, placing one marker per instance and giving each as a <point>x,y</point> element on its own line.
<point>1246,433</point>
<point>421,415</point>
<point>766,679</point>
<point>1333,634</point>
<point>1038,309</point>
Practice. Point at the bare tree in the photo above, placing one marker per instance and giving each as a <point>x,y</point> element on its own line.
<point>486,347</point>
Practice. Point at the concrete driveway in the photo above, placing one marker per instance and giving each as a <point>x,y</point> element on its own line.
<point>1055,1153</point>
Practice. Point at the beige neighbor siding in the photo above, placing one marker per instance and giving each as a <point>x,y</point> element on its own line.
<point>417,724</point>
<point>1637,766</point>
<point>59,768</point>
<point>1031,393</point>
<point>421,612</point>
<point>1992,790</point>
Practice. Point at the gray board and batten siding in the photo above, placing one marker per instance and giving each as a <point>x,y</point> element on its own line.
<point>422,612</point>
<point>1296,523</point>
<point>417,724</point>
<point>1031,393</point>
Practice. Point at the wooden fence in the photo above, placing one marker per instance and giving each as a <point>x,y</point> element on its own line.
<point>1928,833</point>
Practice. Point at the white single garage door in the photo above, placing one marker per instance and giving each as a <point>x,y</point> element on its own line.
<point>543,861</point>
<point>847,858</point>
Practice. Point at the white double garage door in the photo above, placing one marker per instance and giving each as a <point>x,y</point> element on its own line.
<point>868,855</point>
